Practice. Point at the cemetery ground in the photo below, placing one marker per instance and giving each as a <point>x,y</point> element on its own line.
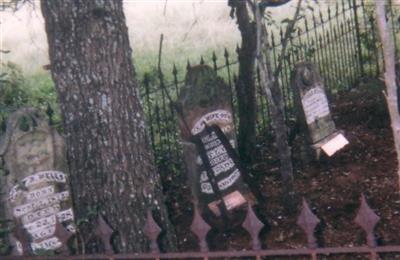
<point>331,186</point>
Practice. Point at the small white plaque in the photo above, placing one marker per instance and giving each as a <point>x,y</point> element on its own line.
<point>315,104</point>
<point>334,145</point>
<point>233,200</point>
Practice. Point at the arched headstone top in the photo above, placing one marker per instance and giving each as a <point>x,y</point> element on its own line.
<point>30,144</point>
<point>36,188</point>
<point>204,93</point>
<point>306,76</point>
<point>20,123</point>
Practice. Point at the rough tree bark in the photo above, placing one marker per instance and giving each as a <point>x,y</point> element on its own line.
<point>111,164</point>
<point>270,85</point>
<point>245,84</point>
<point>390,75</point>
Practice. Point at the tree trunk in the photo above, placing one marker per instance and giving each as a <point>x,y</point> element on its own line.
<point>390,75</point>
<point>111,164</point>
<point>245,85</point>
<point>270,85</point>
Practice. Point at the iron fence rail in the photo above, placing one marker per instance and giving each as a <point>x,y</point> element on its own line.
<point>366,219</point>
<point>253,254</point>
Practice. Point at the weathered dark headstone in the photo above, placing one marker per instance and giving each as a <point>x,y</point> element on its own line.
<point>313,107</point>
<point>208,134</point>
<point>36,186</point>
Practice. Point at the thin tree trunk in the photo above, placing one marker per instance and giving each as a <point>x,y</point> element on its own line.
<point>245,85</point>
<point>272,91</point>
<point>111,163</point>
<point>390,75</point>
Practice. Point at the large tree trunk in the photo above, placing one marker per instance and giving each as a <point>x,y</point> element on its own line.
<point>390,75</point>
<point>245,85</point>
<point>111,164</point>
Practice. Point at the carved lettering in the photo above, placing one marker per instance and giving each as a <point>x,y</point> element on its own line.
<point>29,207</point>
<point>315,104</point>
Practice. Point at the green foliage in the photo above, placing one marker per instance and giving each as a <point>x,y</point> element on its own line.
<point>18,90</point>
<point>12,92</point>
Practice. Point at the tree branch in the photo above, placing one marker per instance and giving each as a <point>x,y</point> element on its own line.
<point>288,33</point>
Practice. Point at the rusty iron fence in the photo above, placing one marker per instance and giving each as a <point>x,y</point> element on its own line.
<point>366,219</point>
<point>341,40</point>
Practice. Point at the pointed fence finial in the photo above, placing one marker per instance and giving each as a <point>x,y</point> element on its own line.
<point>214,59</point>
<point>104,232</point>
<point>308,222</point>
<point>367,220</point>
<point>152,231</point>
<point>188,66</point>
<point>63,236</point>
<point>253,225</point>
<point>237,48</point>
<point>21,235</point>
<point>202,60</point>
<point>50,112</point>
<point>200,228</point>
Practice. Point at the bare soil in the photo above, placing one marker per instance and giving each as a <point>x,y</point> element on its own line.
<point>331,186</point>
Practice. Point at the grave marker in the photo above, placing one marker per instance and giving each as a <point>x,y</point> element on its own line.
<point>313,108</point>
<point>208,134</point>
<point>36,187</point>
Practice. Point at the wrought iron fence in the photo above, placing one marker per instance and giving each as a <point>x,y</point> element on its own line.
<point>342,41</point>
<point>366,219</point>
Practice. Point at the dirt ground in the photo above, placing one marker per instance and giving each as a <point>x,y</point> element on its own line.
<point>332,186</point>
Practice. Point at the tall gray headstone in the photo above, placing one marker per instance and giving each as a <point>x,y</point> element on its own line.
<point>313,110</point>
<point>36,186</point>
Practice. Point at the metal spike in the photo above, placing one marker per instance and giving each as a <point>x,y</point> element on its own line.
<point>104,232</point>
<point>188,66</point>
<point>308,221</point>
<point>63,236</point>
<point>367,220</point>
<point>200,228</point>
<point>226,54</point>
<point>253,225</point>
<point>202,60</point>
<point>214,59</point>
<point>50,112</point>
<point>174,70</point>
<point>152,230</point>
